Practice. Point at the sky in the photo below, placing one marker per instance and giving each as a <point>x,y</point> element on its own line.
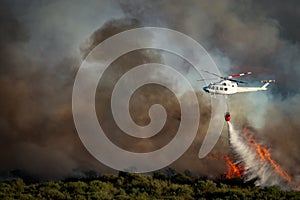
<point>42,44</point>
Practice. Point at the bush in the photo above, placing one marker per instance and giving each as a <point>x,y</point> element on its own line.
<point>136,186</point>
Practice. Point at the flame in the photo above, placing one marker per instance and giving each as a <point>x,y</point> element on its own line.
<point>264,155</point>
<point>277,168</point>
<point>234,170</point>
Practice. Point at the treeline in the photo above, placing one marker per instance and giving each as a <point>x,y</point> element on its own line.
<point>137,186</point>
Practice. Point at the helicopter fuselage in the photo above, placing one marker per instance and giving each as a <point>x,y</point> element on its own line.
<point>222,87</point>
<point>227,87</point>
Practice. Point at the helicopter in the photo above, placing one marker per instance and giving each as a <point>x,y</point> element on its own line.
<point>229,85</point>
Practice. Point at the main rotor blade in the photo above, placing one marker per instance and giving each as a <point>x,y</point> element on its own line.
<point>237,81</point>
<point>239,75</point>
<point>212,73</point>
<point>207,79</point>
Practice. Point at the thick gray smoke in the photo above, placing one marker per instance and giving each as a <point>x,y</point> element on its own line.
<point>43,43</point>
<point>247,36</point>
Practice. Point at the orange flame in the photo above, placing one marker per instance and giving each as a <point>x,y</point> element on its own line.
<point>265,155</point>
<point>234,170</point>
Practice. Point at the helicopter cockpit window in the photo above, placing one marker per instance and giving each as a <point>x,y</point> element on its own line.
<point>224,84</point>
<point>225,89</point>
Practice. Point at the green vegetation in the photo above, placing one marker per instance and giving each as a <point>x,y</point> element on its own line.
<point>137,186</point>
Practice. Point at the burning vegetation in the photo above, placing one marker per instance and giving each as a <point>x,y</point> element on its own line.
<point>264,155</point>
<point>256,161</point>
<point>233,170</point>
<point>253,162</point>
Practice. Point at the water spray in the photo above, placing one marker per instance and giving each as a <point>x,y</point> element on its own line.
<point>256,160</point>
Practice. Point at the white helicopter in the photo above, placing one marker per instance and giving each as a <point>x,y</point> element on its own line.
<point>228,85</point>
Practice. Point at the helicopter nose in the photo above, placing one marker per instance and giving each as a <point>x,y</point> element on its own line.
<point>205,89</point>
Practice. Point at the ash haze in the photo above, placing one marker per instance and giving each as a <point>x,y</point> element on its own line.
<point>42,44</point>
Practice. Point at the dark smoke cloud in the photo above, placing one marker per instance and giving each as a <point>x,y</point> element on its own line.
<point>259,37</point>
<point>42,45</point>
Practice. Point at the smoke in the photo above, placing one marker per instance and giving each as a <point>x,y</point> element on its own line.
<point>42,45</point>
<point>247,36</point>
